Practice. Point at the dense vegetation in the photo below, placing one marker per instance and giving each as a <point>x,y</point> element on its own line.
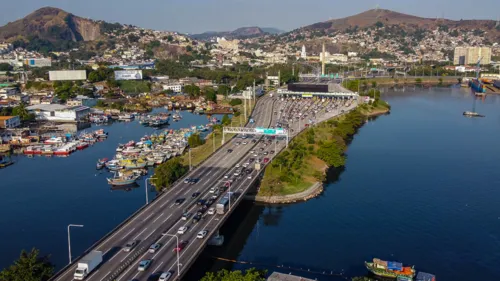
<point>312,151</point>
<point>29,267</point>
<point>168,172</point>
<point>226,275</point>
<point>195,140</point>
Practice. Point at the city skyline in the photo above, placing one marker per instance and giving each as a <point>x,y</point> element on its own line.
<point>223,15</point>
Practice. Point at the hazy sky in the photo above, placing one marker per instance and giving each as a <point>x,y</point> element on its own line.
<point>194,16</point>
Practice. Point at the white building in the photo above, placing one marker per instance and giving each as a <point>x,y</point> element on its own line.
<point>303,54</point>
<point>177,88</point>
<point>58,112</point>
<point>7,92</point>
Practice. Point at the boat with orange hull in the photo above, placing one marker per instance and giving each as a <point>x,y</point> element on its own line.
<point>390,269</point>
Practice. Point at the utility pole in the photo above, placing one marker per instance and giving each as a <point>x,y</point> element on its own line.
<point>214,139</point>
<point>190,165</point>
<point>245,106</point>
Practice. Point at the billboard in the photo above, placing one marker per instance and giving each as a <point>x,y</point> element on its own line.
<point>265,131</point>
<point>128,74</point>
<point>67,75</point>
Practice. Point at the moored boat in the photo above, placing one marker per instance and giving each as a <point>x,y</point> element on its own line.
<point>122,181</point>
<point>390,269</point>
<point>54,140</point>
<point>82,145</point>
<point>101,163</point>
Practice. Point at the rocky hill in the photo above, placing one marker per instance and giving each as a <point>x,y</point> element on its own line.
<point>405,22</point>
<point>53,25</point>
<point>240,33</point>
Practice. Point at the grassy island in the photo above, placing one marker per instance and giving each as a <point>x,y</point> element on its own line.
<point>314,150</point>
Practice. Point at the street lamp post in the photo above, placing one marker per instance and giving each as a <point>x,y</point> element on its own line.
<point>178,264</point>
<point>69,239</point>
<point>146,187</point>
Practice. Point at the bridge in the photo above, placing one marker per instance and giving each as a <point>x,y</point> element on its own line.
<point>159,221</point>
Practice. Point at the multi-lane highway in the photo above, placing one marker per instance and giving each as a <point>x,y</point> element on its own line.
<point>164,216</point>
<point>146,226</point>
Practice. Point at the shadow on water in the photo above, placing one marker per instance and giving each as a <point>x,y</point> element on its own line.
<point>236,230</point>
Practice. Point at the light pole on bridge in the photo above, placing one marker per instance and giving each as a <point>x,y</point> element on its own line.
<point>177,250</point>
<point>146,187</point>
<point>69,239</point>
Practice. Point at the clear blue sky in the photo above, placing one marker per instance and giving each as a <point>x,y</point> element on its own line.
<point>196,16</point>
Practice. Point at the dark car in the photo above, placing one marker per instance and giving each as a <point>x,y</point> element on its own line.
<point>251,160</point>
<point>229,150</point>
<point>254,141</point>
<point>196,218</point>
<point>179,201</point>
<point>272,151</point>
<point>193,181</point>
<point>201,202</point>
<point>210,201</point>
<point>204,207</point>
<point>196,194</point>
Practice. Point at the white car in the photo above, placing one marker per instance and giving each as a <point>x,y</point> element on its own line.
<point>237,165</point>
<point>244,142</point>
<point>211,211</point>
<point>202,234</point>
<point>165,276</point>
<point>249,177</point>
<point>212,190</point>
<point>182,230</point>
<point>227,176</point>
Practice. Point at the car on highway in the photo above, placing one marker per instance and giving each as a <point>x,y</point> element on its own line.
<point>249,177</point>
<point>237,143</point>
<point>244,142</point>
<point>196,218</point>
<point>186,180</point>
<point>237,165</point>
<point>186,216</point>
<point>227,176</point>
<point>143,265</point>
<point>254,141</point>
<point>251,160</point>
<point>202,234</point>
<point>272,151</point>
<point>180,246</point>
<point>265,160</point>
<point>182,230</point>
<point>153,248</point>
<point>266,153</point>
<point>179,201</point>
<point>165,276</point>
<point>196,194</point>
<point>211,200</point>
<point>212,190</point>
<point>193,181</point>
<point>130,245</point>
<point>201,202</point>
<point>211,211</point>
<point>229,150</point>
<point>255,155</point>
<point>251,152</point>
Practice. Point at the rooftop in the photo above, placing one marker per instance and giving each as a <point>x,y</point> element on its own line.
<point>276,276</point>
<point>3,118</point>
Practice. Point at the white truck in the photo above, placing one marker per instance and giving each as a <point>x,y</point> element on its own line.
<point>87,264</point>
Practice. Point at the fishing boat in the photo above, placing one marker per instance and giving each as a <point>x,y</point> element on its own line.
<point>472,114</point>
<point>82,145</point>
<point>64,150</point>
<point>54,140</point>
<point>122,181</point>
<point>101,163</point>
<point>5,161</point>
<point>114,165</point>
<point>130,150</point>
<point>133,164</point>
<point>101,134</point>
<point>157,122</point>
<point>47,150</point>
<point>125,116</point>
<point>390,269</point>
<point>29,150</point>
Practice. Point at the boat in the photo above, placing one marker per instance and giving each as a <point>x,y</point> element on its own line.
<point>390,269</point>
<point>5,161</point>
<point>477,86</point>
<point>54,140</point>
<point>113,165</point>
<point>133,164</point>
<point>65,149</point>
<point>422,276</point>
<point>157,122</point>
<point>47,150</point>
<point>101,163</point>
<point>125,116</point>
<point>122,181</point>
<point>29,150</point>
<point>82,145</point>
<point>472,114</point>
<point>101,134</point>
<point>130,150</point>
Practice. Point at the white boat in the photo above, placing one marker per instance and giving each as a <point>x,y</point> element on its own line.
<point>131,150</point>
<point>54,140</point>
<point>125,116</point>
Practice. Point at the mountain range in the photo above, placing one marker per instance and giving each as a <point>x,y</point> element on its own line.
<point>55,25</point>
<point>242,32</point>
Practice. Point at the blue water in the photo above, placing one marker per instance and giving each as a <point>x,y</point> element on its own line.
<point>421,186</point>
<point>40,196</point>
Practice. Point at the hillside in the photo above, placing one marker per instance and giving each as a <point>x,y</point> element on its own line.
<point>406,22</point>
<point>242,32</point>
<point>53,25</point>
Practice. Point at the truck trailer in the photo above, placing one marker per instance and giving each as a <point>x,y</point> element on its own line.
<point>87,264</point>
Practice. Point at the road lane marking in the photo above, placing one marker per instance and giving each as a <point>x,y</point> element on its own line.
<point>148,217</point>
<point>140,233</point>
<point>158,217</point>
<point>150,234</point>
<point>128,233</point>
<point>167,218</point>
<point>156,269</point>
<point>105,276</point>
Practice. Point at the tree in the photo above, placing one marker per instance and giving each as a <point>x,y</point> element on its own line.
<point>226,275</point>
<point>226,120</point>
<point>192,90</point>
<point>210,94</point>
<point>29,267</point>
<point>5,67</point>
<point>379,24</point>
<point>235,102</point>
<point>170,38</point>
<point>100,103</point>
<point>168,172</point>
<point>189,48</point>
<point>223,90</point>
<point>23,113</point>
<point>195,140</point>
